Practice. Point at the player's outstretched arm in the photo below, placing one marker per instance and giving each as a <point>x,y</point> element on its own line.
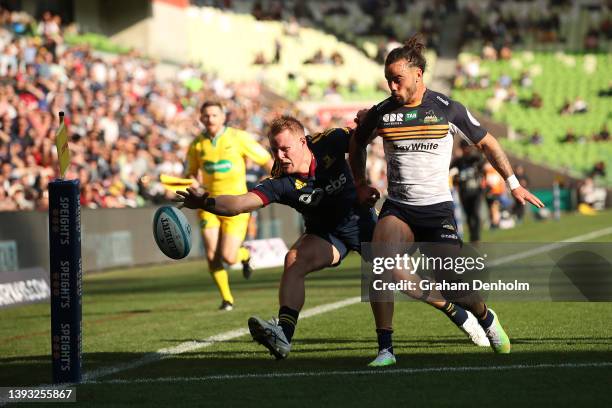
<point>362,136</point>
<point>226,205</point>
<point>498,159</point>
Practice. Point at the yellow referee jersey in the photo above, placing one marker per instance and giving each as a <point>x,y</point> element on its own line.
<point>220,160</point>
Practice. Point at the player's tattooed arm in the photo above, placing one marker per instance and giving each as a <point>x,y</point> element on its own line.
<point>226,205</point>
<point>495,154</point>
<point>498,159</point>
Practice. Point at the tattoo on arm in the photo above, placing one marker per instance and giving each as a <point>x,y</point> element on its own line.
<point>498,159</point>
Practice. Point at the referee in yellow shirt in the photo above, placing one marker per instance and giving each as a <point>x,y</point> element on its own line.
<point>216,157</point>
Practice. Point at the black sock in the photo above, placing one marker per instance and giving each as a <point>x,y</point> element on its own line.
<point>455,312</point>
<point>384,339</point>
<point>486,319</point>
<point>287,319</point>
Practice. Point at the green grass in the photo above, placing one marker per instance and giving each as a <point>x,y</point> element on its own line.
<point>130,312</point>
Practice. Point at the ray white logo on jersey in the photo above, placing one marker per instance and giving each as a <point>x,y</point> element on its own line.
<point>416,147</point>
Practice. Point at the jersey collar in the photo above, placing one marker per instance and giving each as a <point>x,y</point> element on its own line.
<point>215,137</point>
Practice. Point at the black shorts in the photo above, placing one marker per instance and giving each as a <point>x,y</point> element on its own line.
<point>435,235</point>
<point>429,223</point>
<point>348,234</point>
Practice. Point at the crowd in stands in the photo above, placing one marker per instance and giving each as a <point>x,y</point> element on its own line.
<point>125,126</point>
<point>499,27</point>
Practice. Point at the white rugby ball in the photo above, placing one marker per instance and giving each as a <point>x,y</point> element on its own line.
<point>172,232</point>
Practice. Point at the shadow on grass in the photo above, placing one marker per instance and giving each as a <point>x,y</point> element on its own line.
<point>35,370</point>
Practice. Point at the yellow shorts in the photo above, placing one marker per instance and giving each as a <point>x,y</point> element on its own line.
<point>235,226</point>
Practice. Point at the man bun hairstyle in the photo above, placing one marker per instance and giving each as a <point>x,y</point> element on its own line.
<point>411,51</point>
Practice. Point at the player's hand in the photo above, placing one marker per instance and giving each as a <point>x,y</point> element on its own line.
<point>360,116</point>
<point>523,195</point>
<point>367,195</point>
<point>191,198</point>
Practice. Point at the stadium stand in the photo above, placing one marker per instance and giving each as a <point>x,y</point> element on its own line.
<point>126,124</point>
<point>499,75</point>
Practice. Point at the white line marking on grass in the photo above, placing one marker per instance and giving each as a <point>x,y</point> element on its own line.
<point>352,373</point>
<point>209,341</point>
<point>549,247</point>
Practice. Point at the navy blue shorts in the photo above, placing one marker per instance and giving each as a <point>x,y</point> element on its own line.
<point>349,234</point>
<point>429,223</point>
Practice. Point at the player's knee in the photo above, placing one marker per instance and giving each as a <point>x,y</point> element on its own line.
<point>230,258</point>
<point>290,258</point>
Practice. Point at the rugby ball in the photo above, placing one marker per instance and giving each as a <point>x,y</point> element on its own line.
<point>172,232</point>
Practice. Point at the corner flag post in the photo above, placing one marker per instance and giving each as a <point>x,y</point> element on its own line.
<point>65,268</point>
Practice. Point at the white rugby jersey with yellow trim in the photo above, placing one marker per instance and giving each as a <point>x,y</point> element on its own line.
<point>418,144</point>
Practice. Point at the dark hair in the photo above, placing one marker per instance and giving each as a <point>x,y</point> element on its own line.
<point>286,122</point>
<point>411,51</point>
<point>210,103</point>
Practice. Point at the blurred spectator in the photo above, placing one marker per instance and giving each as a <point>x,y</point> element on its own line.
<point>570,137</point>
<point>606,92</point>
<point>566,109</point>
<point>598,170</point>
<point>603,135</point>
<point>579,105</point>
<point>536,138</point>
<point>591,195</point>
<point>469,181</point>
<point>495,189</point>
<point>535,101</point>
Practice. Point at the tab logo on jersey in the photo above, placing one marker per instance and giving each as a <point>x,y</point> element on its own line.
<point>410,115</point>
<point>222,166</point>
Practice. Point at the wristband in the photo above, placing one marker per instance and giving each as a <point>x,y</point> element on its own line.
<point>513,182</point>
<point>209,203</point>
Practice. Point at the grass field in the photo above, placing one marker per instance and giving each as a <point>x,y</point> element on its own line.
<point>562,352</point>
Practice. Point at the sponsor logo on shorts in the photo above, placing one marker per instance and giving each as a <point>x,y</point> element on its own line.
<point>449,236</point>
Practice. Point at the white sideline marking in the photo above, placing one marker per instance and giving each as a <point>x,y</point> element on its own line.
<point>351,373</point>
<point>549,247</point>
<point>91,376</point>
<point>209,341</point>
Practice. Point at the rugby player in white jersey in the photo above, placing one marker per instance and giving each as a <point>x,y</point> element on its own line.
<point>418,126</point>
